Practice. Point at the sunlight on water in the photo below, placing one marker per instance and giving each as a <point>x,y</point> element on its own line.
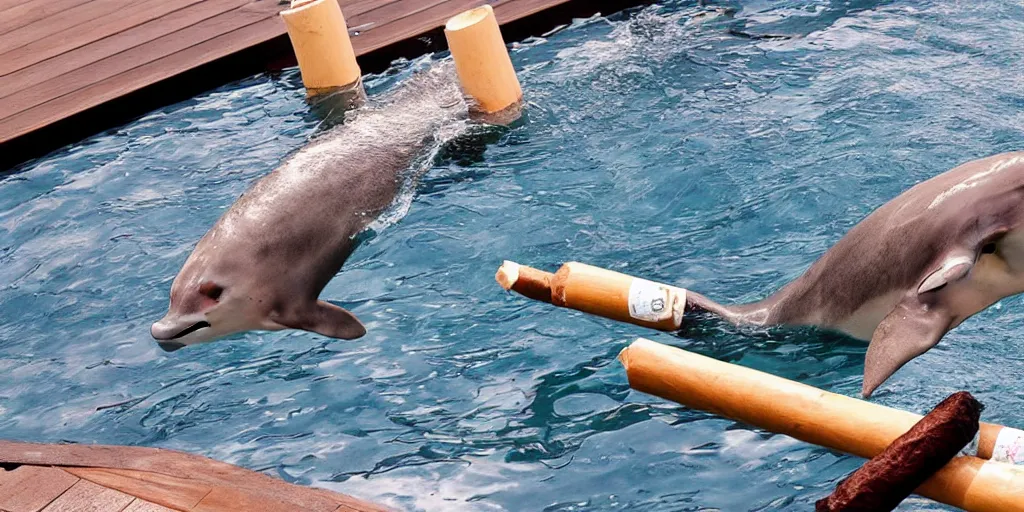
<point>720,148</point>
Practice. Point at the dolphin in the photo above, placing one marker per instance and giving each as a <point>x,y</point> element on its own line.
<point>912,270</point>
<point>263,265</point>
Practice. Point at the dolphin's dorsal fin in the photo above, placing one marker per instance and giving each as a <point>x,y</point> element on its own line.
<point>908,331</point>
<point>326,319</point>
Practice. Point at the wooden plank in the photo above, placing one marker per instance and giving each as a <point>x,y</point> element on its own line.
<point>110,27</point>
<point>179,493</point>
<point>510,11</point>
<point>146,472</point>
<point>352,7</point>
<point>168,491</point>
<point>30,488</point>
<point>29,11</point>
<point>121,84</point>
<point>404,19</point>
<point>7,4</point>
<point>130,27</point>
<point>86,496</point>
<point>42,96</point>
<point>114,65</point>
<point>17,77</point>
<point>357,506</point>
<point>225,498</point>
<point>140,505</point>
<point>135,458</point>
<point>425,19</point>
<point>385,13</point>
<point>58,22</point>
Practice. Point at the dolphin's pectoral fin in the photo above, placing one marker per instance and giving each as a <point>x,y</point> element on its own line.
<point>326,319</point>
<point>956,266</point>
<point>908,331</point>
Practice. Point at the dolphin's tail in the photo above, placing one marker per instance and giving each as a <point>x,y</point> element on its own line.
<point>754,313</point>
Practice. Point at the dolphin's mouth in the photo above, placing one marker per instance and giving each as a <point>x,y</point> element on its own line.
<point>170,346</point>
<point>195,327</point>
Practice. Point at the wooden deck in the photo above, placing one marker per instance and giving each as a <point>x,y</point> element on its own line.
<point>60,58</point>
<point>77,478</point>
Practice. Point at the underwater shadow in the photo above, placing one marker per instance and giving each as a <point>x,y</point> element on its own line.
<point>714,337</point>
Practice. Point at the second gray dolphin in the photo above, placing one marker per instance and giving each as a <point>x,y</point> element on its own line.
<point>912,270</point>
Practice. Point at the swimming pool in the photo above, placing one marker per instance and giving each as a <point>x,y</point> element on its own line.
<point>718,153</point>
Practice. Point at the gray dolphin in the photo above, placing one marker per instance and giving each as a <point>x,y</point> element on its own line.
<point>264,263</point>
<point>912,270</point>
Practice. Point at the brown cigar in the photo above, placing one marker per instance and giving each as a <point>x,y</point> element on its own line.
<point>887,479</point>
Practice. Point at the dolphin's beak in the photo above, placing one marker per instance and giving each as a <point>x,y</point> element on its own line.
<point>163,330</point>
<point>166,333</point>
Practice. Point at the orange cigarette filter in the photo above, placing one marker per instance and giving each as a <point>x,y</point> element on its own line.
<point>599,292</point>
<point>819,417</point>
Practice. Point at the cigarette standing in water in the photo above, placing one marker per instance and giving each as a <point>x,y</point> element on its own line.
<point>484,66</point>
<point>322,47</point>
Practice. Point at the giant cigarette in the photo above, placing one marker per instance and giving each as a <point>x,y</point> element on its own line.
<point>883,482</point>
<point>481,60</point>
<point>320,39</point>
<point>599,292</point>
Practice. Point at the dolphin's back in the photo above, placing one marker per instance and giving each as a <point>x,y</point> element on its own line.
<point>883,254</point>
<point>318,199</point>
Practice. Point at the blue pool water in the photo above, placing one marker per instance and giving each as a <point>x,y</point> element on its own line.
<point>676,146</point>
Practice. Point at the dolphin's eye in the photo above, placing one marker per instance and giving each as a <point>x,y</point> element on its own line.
<point>989,248</point>
<point>211,290</point>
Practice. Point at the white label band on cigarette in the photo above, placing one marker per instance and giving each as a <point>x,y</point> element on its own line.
<point>653,302</point>
<point>1009,446</point>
